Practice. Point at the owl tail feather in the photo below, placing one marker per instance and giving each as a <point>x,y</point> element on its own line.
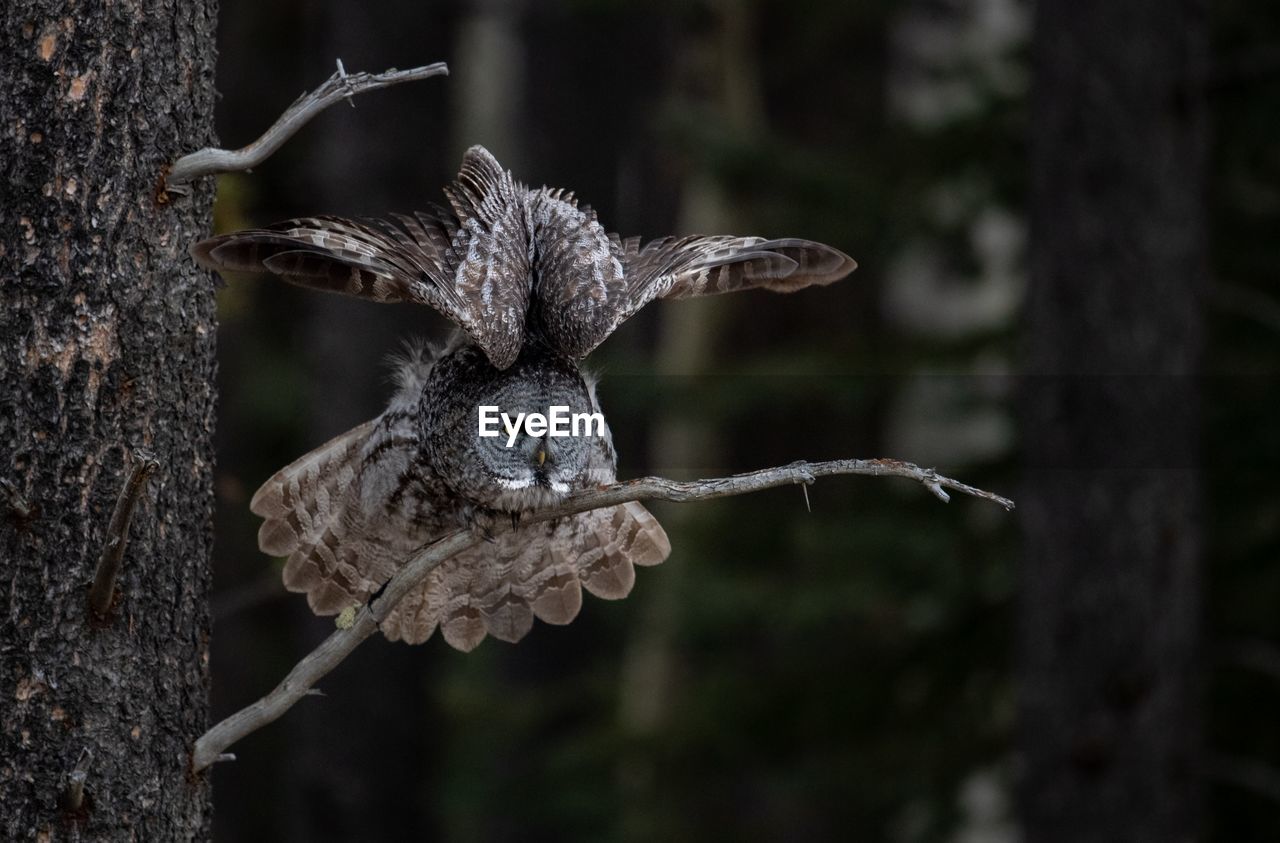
<point>617,540</point>
<point>308,512</point>
<point>312,515</point>
<point>539,572</point>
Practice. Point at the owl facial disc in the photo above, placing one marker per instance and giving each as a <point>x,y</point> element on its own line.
<point>524,461</point>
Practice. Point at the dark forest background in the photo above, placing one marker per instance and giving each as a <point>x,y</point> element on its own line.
<point>848,672</point>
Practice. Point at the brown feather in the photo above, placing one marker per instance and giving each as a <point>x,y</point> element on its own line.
<point>538,571</point>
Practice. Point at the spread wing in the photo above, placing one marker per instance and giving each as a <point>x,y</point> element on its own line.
<point>679,268</point>
<point>344,516</point>
<point>472,264</point>
<point>589,282</point>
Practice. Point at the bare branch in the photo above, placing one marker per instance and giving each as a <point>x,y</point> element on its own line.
<point>661,489</point>
<point>104,579</point>
<point>211,746</point>
<point>339,86</point>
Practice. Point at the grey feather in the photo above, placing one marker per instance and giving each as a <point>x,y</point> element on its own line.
<point>511,266</point>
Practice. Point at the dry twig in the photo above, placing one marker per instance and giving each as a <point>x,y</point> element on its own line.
<point>339,86</point>
<point>104,578</point>
<point>211,746</point>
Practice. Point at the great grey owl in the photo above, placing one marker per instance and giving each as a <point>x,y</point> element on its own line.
<point>534,283</point>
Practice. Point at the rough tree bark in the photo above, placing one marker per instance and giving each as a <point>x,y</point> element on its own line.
<point>1110,612</point>
<point>107,331</point>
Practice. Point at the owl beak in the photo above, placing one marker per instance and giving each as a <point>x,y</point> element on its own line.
<point>540,457</point>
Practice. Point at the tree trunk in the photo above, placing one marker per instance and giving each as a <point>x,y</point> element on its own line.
<point>108,336</point>
<point>1110,601</point>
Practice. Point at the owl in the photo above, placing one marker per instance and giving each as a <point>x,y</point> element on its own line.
<point>533,284</point>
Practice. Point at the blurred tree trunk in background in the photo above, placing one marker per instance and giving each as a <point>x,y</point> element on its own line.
<point>684,444</point>
<point>339,787</point>
<point>318,364</point>
<point>108,331</point>
<point>1111,586</point>
<point>486,83</point>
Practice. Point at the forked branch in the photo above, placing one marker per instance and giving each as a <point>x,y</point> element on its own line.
<point>339,86</point>
<point>212,746</point>
<point>103,589</point>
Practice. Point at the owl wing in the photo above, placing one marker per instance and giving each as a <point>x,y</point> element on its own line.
<point>341,514</point>
<point>498,588</point>
<point>472,264</point>
<point>590,282</point>
<point>581,283</point>
<point>679,268</point>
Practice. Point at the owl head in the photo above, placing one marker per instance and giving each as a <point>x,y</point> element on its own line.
<point>521,464</point>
